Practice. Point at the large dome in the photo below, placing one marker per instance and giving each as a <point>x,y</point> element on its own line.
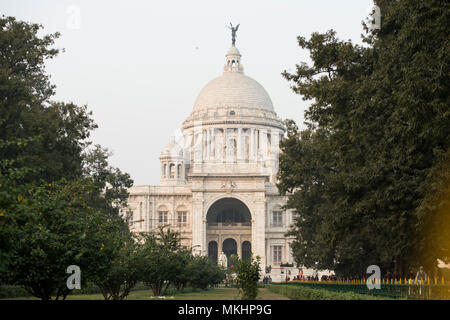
<point>233,90</point>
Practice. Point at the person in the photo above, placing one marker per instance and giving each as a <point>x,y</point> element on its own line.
<point>421,276</point>
<point>270,279</point>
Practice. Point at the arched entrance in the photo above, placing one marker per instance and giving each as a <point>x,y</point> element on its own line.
<point>228,223</point>
<point>229,211</point>
<point>229,247</point>
<point>212,251</point>
<point>246,250</point>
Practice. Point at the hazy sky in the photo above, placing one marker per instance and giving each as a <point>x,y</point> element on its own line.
<point>139,65</point>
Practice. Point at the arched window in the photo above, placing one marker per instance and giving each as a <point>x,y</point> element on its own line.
<point>180,172</point>
<point>172,171</point>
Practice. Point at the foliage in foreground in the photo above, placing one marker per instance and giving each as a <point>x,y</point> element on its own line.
<point>304,293</point>
<point>247,277</point>
<point>164,263</point>
<point>369,176</point>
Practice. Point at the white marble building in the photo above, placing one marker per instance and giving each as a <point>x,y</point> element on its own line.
<point>218,180</point>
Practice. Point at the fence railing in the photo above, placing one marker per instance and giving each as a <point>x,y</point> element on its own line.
<point>400,289</point>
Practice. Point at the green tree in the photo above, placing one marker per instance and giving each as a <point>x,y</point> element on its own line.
<point>59,205</point>
<point>248,274</point>
<point>121,270</point>
<point>161,253</point>
<point>27,111</point>
<point>203,273</point>
<point>376,126</point>
<point>54,228</point>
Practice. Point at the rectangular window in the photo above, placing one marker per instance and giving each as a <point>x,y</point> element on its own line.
<point>277,254</point>
<point>182,218</point>
<point>162,218</point>
<point>130,218</point>
<point>277,219</point>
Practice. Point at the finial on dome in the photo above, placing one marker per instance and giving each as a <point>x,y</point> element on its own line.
<point>233,56</point>
<point>233,33</point>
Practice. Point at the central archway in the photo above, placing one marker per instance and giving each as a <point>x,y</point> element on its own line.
<point>229,224</point>
<point>228,210</point>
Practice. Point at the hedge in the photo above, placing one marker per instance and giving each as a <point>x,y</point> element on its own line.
<point>8,291</point>
<point>304,293</point>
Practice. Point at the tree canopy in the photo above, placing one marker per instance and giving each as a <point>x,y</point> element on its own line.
<point>363,175</point>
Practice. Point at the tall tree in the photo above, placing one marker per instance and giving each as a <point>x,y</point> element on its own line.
<point>26,108</point>
<point>378,121</point>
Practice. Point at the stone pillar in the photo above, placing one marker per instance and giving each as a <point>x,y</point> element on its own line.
<point>219,244</point>
<point>198,225</point>
<point>183,171</point>
<point>154,214</point>
<point>239,145</point>
<point>208,144</point>
<point>251,144</point>
<point>224,145</point>
<point>258,229</point>
<point>239,246</point>
<point>213,144</point>
<point>263,143</point>
<point>147,214</point>
<point>167,170</point>
<point>198,147</point>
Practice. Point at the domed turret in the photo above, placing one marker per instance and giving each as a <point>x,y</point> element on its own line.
<point>172,164</point>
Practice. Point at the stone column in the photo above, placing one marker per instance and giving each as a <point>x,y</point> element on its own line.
<point>263,143</point>
<point>258,228</point>
<point>154,214</point>
<point>147,213</point>
<point>219,244</point>
<point>239,246</point>
<point>183,171</point>
<point>198,146</point>
<point>208,144</point>
<point>239,145</point>
<point>213,144</point>
<point>252,144</point>
<point>167,170</point>
<point>198,225</point>
<point>224,145</point>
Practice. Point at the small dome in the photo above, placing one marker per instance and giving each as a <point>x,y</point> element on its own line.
<point>235,90</point>
<point>233,51</point>
<point>172,149</point>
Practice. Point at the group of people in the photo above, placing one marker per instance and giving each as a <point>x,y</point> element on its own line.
<point>267,279</point>
<point>420,276</point>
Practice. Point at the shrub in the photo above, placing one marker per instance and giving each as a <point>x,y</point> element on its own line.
<point>304,293</point>
<point>247,277</point>
<point>7,291</point>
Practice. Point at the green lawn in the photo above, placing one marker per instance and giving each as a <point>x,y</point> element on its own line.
<point>213,294</point>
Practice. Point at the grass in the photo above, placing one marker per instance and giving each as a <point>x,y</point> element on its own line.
<point>213,294</point>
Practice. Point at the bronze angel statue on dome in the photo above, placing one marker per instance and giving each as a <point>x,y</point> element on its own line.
<point>233,32</point>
